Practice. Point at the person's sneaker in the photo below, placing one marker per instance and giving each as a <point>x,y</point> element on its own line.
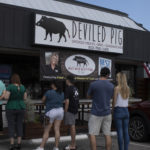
<point>55,148</point>
<point>39,148</point>
<point>68,148</point>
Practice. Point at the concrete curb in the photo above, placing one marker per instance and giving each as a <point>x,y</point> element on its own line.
<point>62,138</point>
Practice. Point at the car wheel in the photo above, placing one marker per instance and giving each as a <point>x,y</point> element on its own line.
<point>137,129</point>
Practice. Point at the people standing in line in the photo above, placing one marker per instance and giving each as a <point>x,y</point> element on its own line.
<point>2,93</point>
<point>15,110</point>
<point>120,110</point>
<point>53,99</point>
<point>71,109</point>
<point>101,92</point>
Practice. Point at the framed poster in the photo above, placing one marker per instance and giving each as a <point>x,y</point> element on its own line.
<point>5,71</point>
<point>104,62</point>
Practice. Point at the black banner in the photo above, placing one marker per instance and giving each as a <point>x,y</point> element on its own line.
<point>58,64</point>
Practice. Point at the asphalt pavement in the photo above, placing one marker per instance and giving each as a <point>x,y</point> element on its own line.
<point>82,144</point>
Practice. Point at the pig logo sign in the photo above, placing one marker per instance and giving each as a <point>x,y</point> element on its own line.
<point>81,60</point>
<point>53,26</point>
<point>80,65</point>
<point>72,33</point>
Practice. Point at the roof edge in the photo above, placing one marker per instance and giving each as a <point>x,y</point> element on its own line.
<point>74,2</point>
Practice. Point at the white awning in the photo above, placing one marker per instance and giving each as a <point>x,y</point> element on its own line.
<point>76,11</point>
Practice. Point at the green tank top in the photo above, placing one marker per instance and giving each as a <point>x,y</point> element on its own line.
<point>16,99</point>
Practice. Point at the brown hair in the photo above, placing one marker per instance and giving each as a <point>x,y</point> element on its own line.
<point>15,79</point>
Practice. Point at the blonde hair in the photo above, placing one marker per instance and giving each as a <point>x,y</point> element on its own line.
<point>123,86</point>
<point>54,55</point>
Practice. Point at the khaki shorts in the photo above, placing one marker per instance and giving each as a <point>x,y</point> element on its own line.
<point>100,122</point>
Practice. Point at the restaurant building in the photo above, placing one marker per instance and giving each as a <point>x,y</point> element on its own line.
<point>82,38</point>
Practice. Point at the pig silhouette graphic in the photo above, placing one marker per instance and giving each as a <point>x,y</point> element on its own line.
<point>80,60</point>
<point>53,26</point>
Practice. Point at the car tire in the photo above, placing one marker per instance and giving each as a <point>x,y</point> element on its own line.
<point>138,129</point>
